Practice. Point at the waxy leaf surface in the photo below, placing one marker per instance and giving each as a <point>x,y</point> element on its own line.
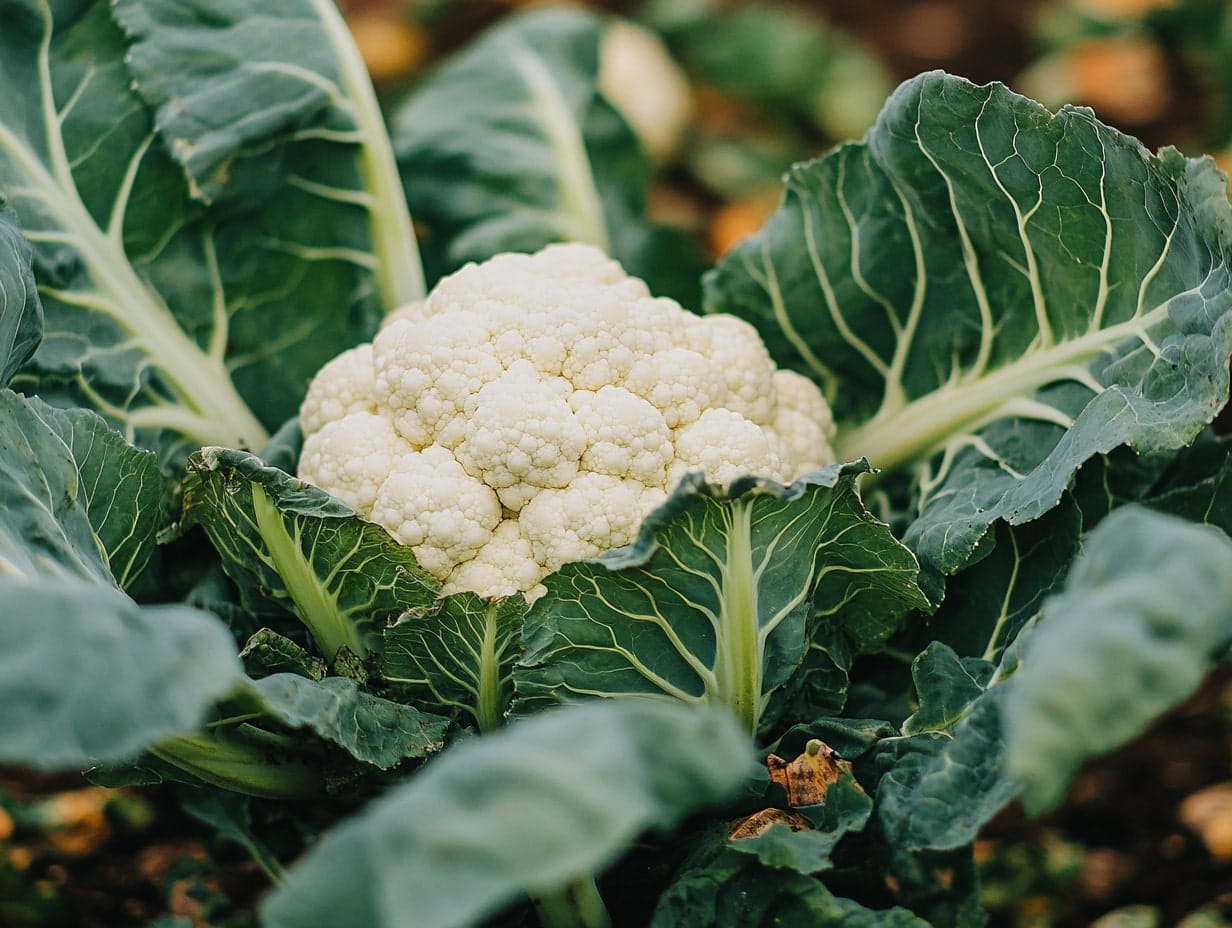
<point>86,675</point>
<point>510,146</point>
<point>372,730</point>
<point>1145,613</point>
<point>184,325</point>
<point>990,294</point>
<point>717,599</point>
<point>288,543</point>
<point>525,810</point>
<point>458,656</point>
<point>21,313</point>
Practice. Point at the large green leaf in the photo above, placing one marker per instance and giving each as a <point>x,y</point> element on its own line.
<point>734,890</point>
<point>287,542</point>
<point>1196,486</point>
<point>182,323</point>
<point>946,783</point>
<point>527,809</point>
<point>717,599</point>
<point>126,497</point>
<point>75,499</point>
<point>288,737</point>
<point>509,146</point>
<point>458,656</point>
<point>989,602</point>
<point>21,313</point>
<point>991,294</point>
<point>224,94</point>
<point>372,730</point>
<point>1145,613</point>
<point>88,676</point>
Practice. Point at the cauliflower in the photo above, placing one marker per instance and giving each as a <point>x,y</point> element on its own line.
<point>535,408</point>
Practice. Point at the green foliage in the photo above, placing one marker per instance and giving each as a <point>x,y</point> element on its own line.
<point>732,890</point>
<point>288,543</point>
<point>459,656</point>
<point>991,295</point>
<point>87,676</point>
<point>716,601</point>
<point>21,313</point>
<point>1020,318</point>
<point>1144,616</point>
<point>526,810</point>
<point>510,146</point>
<point>185,323</point>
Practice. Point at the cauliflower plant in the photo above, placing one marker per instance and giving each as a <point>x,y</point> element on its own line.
<point>535,408</point>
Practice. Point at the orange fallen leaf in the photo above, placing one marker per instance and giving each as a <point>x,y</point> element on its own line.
<point>739,219</point>
<point>753,825</point>
<point>75,821</point>
<point>806,778</point>
<point>1123,77</point>
<point>1208,813</point>
<point>391,48</point>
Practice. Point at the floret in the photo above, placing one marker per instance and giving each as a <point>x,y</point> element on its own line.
<point>535,408</point>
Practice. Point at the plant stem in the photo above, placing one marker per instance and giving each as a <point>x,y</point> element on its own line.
<point>233,764</point>
<point>577,904</point>
<point>399,273</point>
<point>314,604</point>
<point>739,657</point>
<point>488,701</point>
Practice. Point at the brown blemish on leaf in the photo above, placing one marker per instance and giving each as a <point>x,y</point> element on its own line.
<point>806,778</point>
<point>753,825</point>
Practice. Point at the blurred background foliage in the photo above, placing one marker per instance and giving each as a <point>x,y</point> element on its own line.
<point>770,83</point>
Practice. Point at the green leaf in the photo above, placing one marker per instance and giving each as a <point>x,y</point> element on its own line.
<point>372,730</point>
<point>75,499</point>
<point>285,541</point>
<point>947,686</point>
<point>255,742</point>
<point>524,810</point>
<point>268,652</point>
<point>21,313</point>
<point>183,324</point>
<point>846,809</point>
<point>509,146</point>
<point>1144,614</point>
<point>127,498</point>
<point>88,676</point>
<point>990,295</point>
<point>988,603</point>
<point>946,783</point>
<point>780,848</point>
<point>224,94</point>
<point>735,890</point>
<point>817,72</point>
<point>229,816</point>
<point>458,656</point>
<point>717,599</point>
<point>1197,486</point>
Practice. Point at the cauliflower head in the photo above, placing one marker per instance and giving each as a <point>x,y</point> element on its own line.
<point>535,408</point>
